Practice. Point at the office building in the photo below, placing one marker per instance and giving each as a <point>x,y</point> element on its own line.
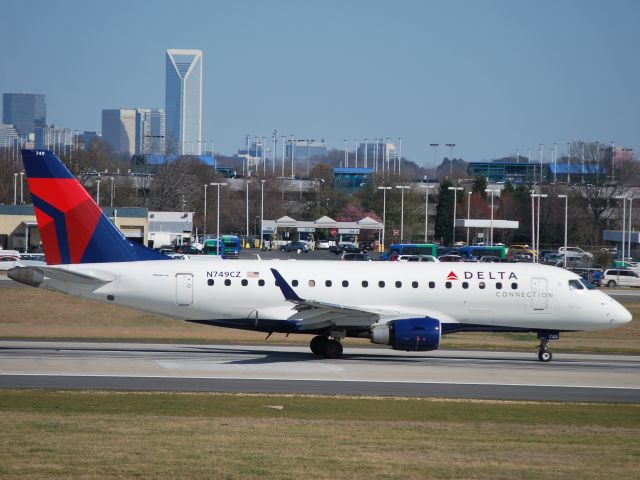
<point>183,101</point>
<point>150,127</point>
<point>119,130</point>
<point>25,111</point>
<point>306,149</point>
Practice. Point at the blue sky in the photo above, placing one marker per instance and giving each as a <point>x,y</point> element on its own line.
<point>490,76</point>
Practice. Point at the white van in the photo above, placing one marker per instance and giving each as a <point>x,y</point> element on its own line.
<point>621,276</point>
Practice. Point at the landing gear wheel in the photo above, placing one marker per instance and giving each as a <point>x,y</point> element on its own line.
<point>318,344</point>
<point>333,349</point>
<point>544,355</point>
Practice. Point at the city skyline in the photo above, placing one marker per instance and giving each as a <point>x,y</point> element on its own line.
<point>490,77</point>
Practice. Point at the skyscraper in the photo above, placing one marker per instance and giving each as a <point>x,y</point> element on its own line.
<point>119,129</point>
<point>183,101</point>
<point>150,128</point>
<point>25,111</point>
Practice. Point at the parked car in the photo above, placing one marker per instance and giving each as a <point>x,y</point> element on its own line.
<point>356,257</point>
<point>620,276</point>
<point>324,244</point>
<point>450,258</point>
<point>492,259</point>
<point>575,253</point>
<point>422,258</point>
<point>294,247</point>
<point>345,248</point>
<point>188,250</point>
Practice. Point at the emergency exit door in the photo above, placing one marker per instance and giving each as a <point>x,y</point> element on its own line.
<point>184,289</point>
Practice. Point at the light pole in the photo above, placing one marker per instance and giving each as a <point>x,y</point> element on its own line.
<point>292,149</point>
<point>261,212</point>
<point>346,158</point>
<point>491,191</point>
<point>555,162</point>
<point>15,188</point>
<point>624,216</point>
<point>204,220</point>
<point>366,152</point>
<point>613,161</point>
<point>402,189</point>
<point>399,155</point>
<point>355,142</point>
<point>566,222</point>
<point>97,192</point>
<point>536,222</point>
<point>218,184</point>
<point>282,137</point>
<point>455,204</point>
<point>384,212</point>
<point>247,212</point>
<point>541,150</point>
<point>426,210</point>
<point>629,235</point>
<point>568,163</point>
<point>22,187</point>
<point>435,152</point>
<point>451,145</point>
<point>469,193</point>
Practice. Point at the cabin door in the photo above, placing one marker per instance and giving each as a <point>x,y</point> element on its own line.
<point>540,294</point>
<point>184,289</point>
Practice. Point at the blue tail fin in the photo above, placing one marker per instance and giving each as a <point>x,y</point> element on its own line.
<point>72,226</point>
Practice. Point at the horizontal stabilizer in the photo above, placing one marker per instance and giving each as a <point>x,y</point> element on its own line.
<point>34,276</point>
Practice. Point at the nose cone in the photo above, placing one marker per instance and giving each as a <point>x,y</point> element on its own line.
<point>618,315</point>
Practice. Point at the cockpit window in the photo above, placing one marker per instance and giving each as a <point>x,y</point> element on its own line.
<point>588,285</point>
<point>575,285</point>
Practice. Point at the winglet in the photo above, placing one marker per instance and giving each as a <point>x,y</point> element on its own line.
<point>286,289</point>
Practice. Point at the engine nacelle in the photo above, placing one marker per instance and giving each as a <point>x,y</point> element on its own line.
<point>410,334</point>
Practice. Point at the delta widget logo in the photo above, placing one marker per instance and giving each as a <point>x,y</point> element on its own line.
<point>452,276</point>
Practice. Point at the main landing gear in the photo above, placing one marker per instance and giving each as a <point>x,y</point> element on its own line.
<point>327,347</point>
<point>544,355</point>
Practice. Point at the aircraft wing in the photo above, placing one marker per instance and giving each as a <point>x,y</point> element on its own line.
<point>314,314</point>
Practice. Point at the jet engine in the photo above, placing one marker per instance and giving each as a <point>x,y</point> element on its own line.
<point>410,334</point>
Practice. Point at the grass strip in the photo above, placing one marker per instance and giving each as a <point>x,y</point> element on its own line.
<point>47,434</point>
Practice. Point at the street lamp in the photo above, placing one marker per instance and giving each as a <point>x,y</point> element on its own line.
<point>402,189</point>
<point>624,216</point>
<point>112,192</point>
<point>247,212</point>
<point>536,231</point>
<point>384,212</point>
<point>613,161</point>
<point>566,218</point>
<point>435,151</point>
<point>426,210</point>
<point>346,154</point>
<point>22,187</point>
<point>218,184</point>
<point>97,192</point>
<point>15,188</point>
<point>491,191</point>
<point>469,193</point>
<point>355,143</point>
<point>204,221</point>
<point>451,145</point>
<point>261,211</point>
<point>629,234</point>
<point>455,203</point>
<point>399,155</point>
<point>568,163</point>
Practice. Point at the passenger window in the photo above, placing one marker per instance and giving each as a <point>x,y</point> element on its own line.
<point>481,285</point>
<point>210,282</point>
<point>312,283</point>
<point>465,284</point>
<point>514,286</point>
<point>261,282</point>
<point>345,283</point>
<point>575,285</point>
<point>381,284</point>
<point>227,282</point>
<point>327,283</point>
<point>498,285</point>
<point>414,284</point>
<point>447,284</point>
<point>432,284</point>
<point>365,284</point>
<point>244,282</point>
<point>398,284</point>
<point>294,283</point>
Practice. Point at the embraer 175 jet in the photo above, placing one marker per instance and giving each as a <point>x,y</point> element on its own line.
<point>406,305</point>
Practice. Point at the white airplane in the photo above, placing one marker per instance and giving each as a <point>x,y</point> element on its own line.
<point>406,305</point>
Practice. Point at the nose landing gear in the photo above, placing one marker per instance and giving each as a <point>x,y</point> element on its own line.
<point>544,355</point>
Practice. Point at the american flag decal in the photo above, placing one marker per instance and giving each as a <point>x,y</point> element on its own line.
<point>253,274</point>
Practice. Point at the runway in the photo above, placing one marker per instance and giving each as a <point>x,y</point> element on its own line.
<point>285,369</point>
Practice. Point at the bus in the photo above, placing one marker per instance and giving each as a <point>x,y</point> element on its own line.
<point>230,246</point>
<point>408,249</point>
<point>477,251</point>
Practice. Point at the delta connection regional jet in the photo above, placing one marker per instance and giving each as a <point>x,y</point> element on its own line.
<point>406,305</point>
